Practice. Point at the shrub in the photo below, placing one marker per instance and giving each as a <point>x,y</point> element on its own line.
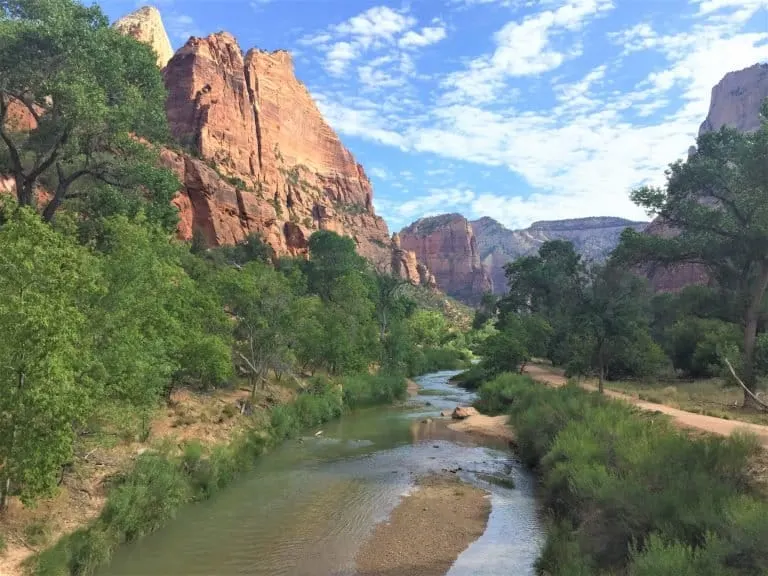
<point>473,378</point>
<point>367,390</point>
<point>615,479</point>
<point>435,359</point>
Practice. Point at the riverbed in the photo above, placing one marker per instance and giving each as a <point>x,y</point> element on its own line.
<point>309,505</point>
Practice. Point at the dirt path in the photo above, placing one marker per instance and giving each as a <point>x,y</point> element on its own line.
<point>681,417</point>
<point>427,531</point>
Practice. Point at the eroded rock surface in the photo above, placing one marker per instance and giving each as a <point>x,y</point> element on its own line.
<point>447,246</point>
<point>146,25</point>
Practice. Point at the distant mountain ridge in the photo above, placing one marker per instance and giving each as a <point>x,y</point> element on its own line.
<point>468,258</point>
<point>594,238</point>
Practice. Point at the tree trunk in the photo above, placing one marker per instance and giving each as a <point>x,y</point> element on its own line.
<point>601,360</point>
<point>5,489</point>
<point>751,319</point>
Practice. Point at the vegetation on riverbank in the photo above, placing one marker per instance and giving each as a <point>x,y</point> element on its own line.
<point>629,493</point>
<point>162,480</point>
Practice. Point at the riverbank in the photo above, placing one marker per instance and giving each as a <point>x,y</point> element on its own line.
<point>198,447</point>
<point>494,427</point>
<point>428,529</point>
<point>688,504</point>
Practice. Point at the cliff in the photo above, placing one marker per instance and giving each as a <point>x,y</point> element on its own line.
<point>448,247</point>
<point>261,159</point>
<point>736,102</point>
<point>594,238</point>
<point>146,25</point>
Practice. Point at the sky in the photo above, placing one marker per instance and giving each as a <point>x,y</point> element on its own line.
<point>521,110</point>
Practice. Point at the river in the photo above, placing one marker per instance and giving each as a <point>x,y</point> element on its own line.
<point>308,505</point>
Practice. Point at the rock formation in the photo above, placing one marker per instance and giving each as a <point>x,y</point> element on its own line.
<point>146,25</point>
<point>280,170</point>
<point>736,102</point>
<point>404,263</point>
<point>447,246</point>
<point>594,238</point>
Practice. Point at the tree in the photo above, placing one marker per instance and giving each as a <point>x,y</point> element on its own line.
<point>716,200</point>
<point>46,284</point>
<point>331,257</point>
<point>260,299</point>
<point>613,315</point>
<point>92,94</point>
<point>550,285</point>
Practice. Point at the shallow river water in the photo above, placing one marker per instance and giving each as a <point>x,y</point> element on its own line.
<point>308,505</point>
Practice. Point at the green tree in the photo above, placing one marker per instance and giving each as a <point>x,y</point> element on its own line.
<point>46,283</point>
<point>550,285</point>
<point>91,92</point>
<point>261,300</point>
<point>716,201</point>
<point>613,317</point>
<point>331,257</point>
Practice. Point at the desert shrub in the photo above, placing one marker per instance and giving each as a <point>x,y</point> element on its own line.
<point>148,496</point>
<point>630,491</point>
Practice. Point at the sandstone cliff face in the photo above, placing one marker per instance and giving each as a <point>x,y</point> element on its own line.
<point>282,170</point>
<point>736,102</point>
<point>146,25</point>
<point>594,238</point>
<point>447,246</point>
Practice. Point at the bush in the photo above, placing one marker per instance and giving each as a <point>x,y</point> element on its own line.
<point>696,345</point>
<point>437,359</point>
<point>366,390</point>
<point>615,479</point>
<point>473,378</point>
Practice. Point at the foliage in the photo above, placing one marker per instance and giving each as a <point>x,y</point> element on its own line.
<point>696,346</point>
<point>716,200</point>
<point>631,493</point>
<point>46,390</point>
<point>364,390</point>
<point>92,91</point>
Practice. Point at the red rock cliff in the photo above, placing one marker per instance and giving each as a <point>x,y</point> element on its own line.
<point>447,246</point>
<point>281,170</point>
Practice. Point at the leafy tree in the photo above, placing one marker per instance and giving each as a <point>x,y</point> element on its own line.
<point>260,299</point>
<point>696,346</point>
<point>550,285</point>
<point>716,201</point>
<point>485,311</point>
<point>331,257</point>
<point>46,282</point>
<point>613,315</point>
<point>91,92</point>
<point>428,328</point>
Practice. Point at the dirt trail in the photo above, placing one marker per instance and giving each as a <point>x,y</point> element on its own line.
<point>681,417</point>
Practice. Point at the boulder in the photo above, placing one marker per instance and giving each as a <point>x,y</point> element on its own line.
<point>462,412</point>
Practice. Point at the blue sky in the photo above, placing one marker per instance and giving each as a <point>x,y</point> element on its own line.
<point>521,110</point>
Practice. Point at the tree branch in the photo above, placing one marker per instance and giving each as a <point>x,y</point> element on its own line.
<point>747,390</point>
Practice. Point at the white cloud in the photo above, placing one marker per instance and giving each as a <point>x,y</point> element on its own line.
<point>180,26</point>
<point>523,49</point>
<point>380,173</point>
<point>338,58</point>
<point>427,36</point>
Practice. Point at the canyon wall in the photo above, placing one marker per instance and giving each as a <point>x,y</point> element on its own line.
<point>258,155</point>
<point>448,247</point>
<point>146,25</point>
<point>594,238</point>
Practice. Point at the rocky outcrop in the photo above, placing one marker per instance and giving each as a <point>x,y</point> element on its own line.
<point>736,102</point>
<point>146,25</point>
<point>447,246</point>
<point>280,169</point>
<point>594,238</point>
<point>404,263</point>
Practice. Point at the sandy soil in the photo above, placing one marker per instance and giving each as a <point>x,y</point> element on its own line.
<point>681,417</point>
<point>427,531</point>
<point>413,388</point>
<point>488,426</point>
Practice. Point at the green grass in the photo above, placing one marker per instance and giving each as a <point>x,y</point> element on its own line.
<point>633,495</point>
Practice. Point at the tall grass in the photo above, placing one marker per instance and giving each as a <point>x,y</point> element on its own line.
<point>160,482</point>
<point>631,494</point>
